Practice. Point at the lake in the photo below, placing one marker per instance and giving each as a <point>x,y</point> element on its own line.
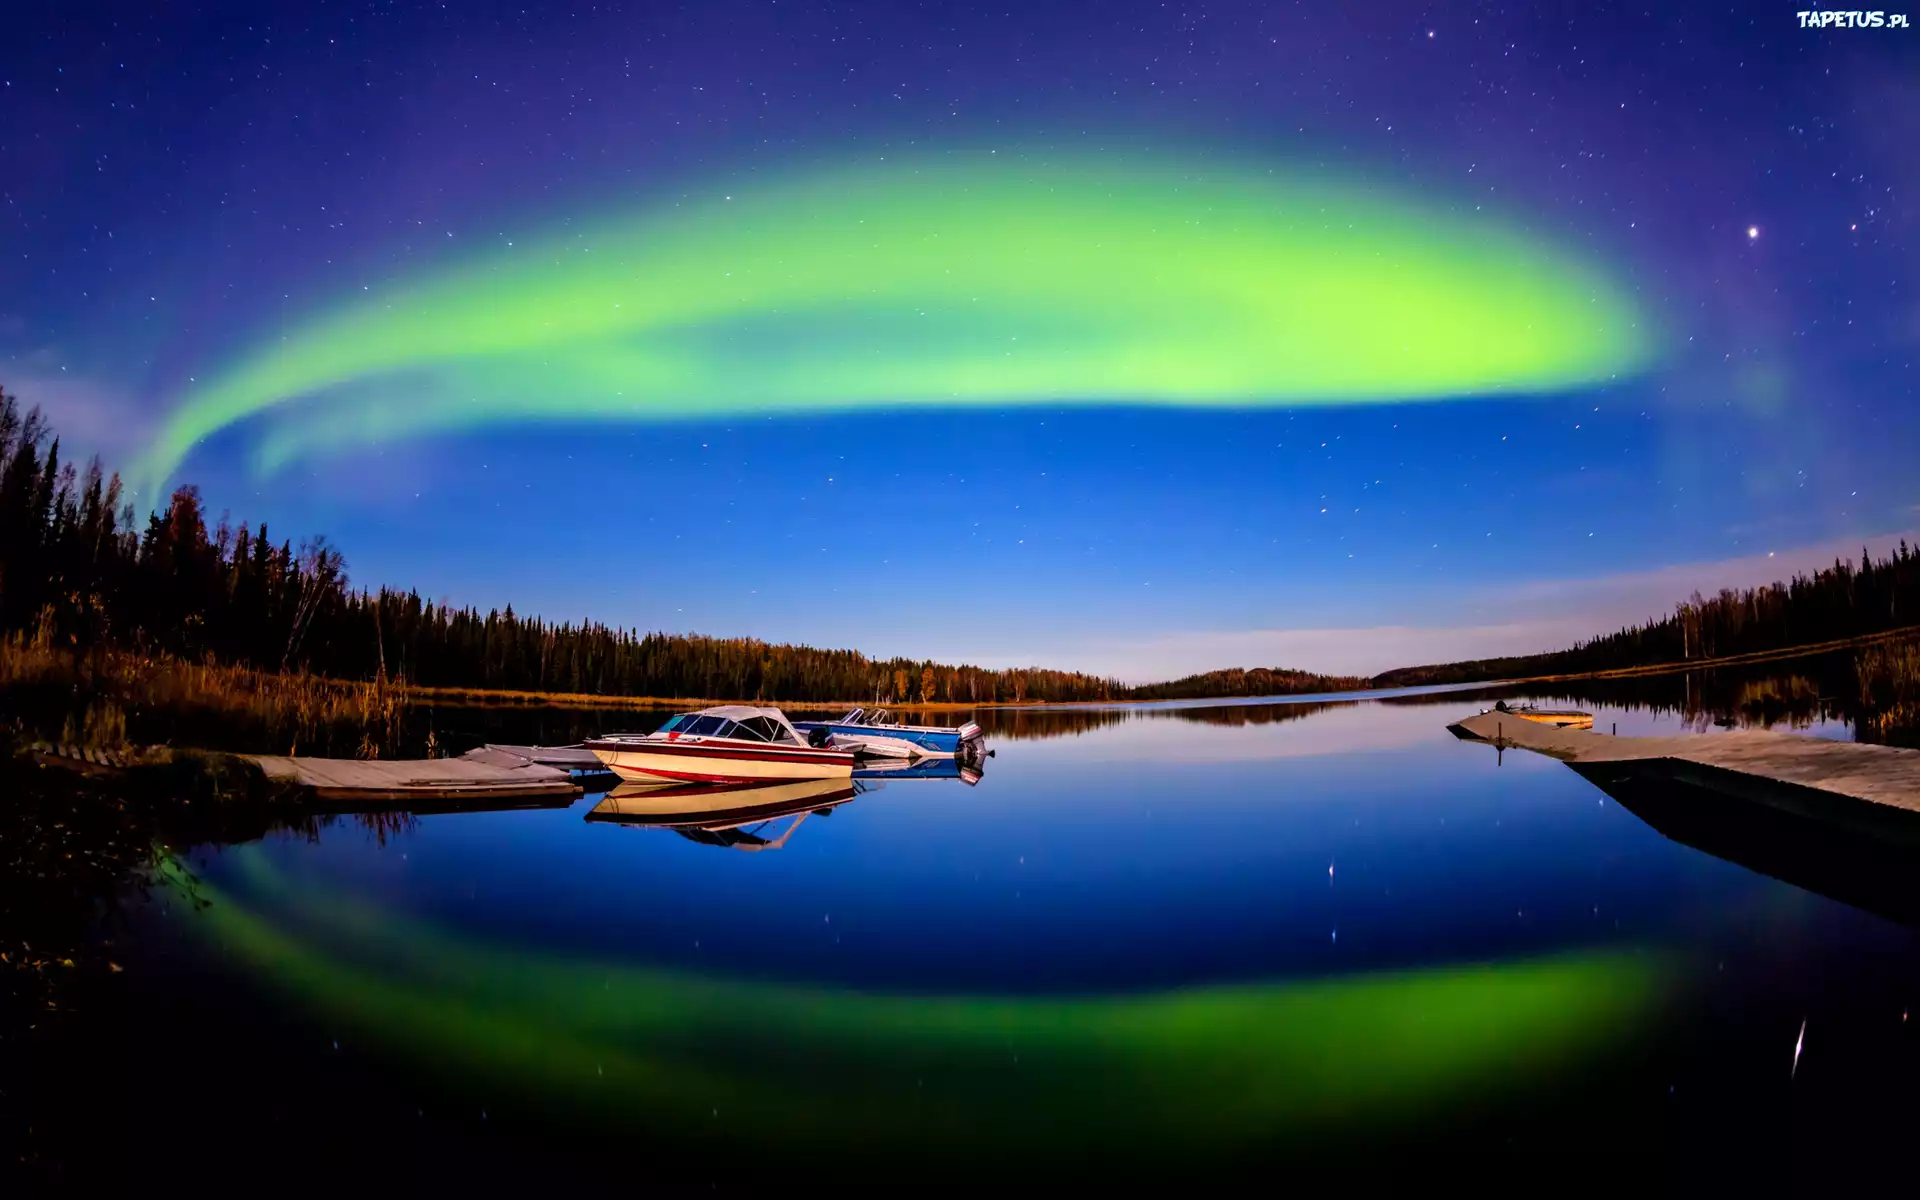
<point>1321,936</point>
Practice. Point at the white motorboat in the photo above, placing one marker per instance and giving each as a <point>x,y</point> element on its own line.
<point>729,743</point>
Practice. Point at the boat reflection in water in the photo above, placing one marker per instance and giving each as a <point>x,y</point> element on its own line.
<point>740,816</point>
<point>749,815</point>
<point>966,768</point>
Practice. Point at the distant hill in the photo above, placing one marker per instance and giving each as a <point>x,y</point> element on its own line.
<point>1245,681</point>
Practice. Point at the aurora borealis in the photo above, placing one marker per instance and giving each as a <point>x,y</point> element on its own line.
<point>435,353</point>
<point>807,1069</point>
<point>1238,334</point>
<point>983,282</point>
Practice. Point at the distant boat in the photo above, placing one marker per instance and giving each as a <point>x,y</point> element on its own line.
<point>727,744</point>
<point>733,815</point>
<point>875,734</point>
<point>1559,718</point>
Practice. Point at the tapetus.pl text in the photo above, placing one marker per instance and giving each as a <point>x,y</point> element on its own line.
<point>1829,19</point>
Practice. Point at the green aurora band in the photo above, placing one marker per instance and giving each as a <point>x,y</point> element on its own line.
<point>693,1059</point>
<point>977,280</point>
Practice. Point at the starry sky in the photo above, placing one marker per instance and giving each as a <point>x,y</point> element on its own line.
<point>1136,338</point>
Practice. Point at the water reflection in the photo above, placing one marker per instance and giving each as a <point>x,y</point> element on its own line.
<point>1846,694</point>
<point>1873,865</point>
<point>1130,944</point>
<point>739,816</point>
<point>830,1071</point>
<point>967,768</point>
<point>1823,694</point>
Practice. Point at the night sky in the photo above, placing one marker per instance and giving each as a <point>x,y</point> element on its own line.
<point>1134,338</point>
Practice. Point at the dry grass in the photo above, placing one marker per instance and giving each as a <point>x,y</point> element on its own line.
<point>106,700</point>
<point>1889,676</point>
<point>1792,698</point>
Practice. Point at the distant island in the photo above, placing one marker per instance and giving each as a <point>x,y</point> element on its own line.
<point>78,576</point>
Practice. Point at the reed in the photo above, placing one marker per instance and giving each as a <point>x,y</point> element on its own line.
<point>1889,679</point>
<point>1792,698</point>
<point>106,700</point>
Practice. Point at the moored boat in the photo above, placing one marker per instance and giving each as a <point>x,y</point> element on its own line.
<point>1559,718</point>
<point>729,743</point>
<point>876,734</point>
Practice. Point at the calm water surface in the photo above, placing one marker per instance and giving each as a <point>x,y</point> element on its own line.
<point>1324,936</point>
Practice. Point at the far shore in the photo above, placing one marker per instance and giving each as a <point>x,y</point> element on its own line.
<point>514,699</point>
<point>507,698</point>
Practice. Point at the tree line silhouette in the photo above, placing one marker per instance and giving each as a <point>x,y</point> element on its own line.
<point>1248,682</point>
<point>1842,601</point>
<point>75,562</point>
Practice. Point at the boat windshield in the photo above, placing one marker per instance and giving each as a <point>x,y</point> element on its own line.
<point>753,729</point>
<point>765,729</point>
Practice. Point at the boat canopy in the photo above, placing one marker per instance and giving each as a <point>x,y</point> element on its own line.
<point>743,721</point>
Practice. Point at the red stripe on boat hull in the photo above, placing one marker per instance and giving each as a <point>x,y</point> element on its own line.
<point>744,753</point>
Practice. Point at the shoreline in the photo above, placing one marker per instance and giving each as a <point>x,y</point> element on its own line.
<point>508,698</point>
<point>1750,658</point>
<point>505,698</point>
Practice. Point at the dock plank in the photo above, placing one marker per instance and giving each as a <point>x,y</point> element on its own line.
<point>1881,775</point>
<point>566,758</point>
<point>374,780</point>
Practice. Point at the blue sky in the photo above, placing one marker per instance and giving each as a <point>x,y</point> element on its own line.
<point>178,191</point>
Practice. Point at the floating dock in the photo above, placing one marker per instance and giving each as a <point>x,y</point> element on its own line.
<point>565,758</point>
<point>1871,790</point>
<point>487,774</point>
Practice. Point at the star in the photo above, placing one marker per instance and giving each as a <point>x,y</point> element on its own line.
<point>1753,233</point>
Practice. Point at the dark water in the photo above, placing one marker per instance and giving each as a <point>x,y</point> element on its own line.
<point>1322,937</point>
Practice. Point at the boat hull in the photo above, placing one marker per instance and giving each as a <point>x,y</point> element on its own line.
<point>876,746</point>
<point>707,762</point>
<point>716,804</point>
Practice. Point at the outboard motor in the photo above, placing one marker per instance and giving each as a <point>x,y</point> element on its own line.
<point>819,738</point>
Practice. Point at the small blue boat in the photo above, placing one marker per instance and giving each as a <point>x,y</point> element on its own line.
<point>875,734</point>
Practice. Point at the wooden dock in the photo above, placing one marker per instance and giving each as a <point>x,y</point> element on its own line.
<point>1872,790</point>
<point>486,774</point>
<point>565,758</point>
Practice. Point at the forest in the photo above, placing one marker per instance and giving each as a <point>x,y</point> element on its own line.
<point>1845,600</point>
<point>1246,682</point>
<point>77,567</point>
<point>79,570</point>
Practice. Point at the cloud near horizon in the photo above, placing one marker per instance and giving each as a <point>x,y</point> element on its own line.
<point>89,417</point>
<point>1524,618</point>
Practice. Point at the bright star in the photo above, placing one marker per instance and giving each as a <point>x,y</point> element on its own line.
<point>1753,231</point>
